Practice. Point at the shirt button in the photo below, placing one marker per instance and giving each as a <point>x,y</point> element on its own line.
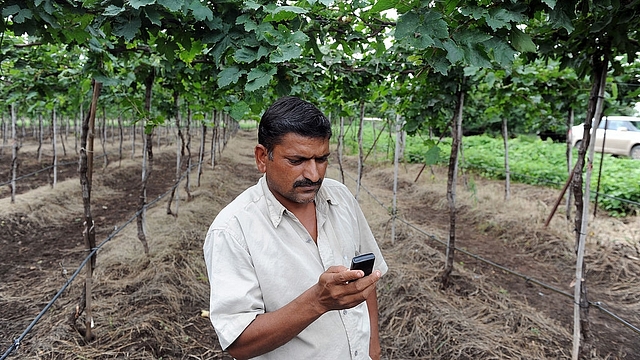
<point>344,312</point>
<point>356,353</point>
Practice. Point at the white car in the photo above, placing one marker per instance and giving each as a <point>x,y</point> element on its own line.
<point>622,136</point>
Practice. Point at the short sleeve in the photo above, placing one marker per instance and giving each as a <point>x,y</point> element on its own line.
<point>235,298</point>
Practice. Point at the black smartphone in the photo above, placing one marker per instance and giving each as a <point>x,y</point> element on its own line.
<point>363,262</point>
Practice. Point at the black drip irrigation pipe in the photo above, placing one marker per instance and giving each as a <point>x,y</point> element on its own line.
<point>16,343</point>
<point>596,304</point>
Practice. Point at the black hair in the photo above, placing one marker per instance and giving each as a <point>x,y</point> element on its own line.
<point>291,115</point>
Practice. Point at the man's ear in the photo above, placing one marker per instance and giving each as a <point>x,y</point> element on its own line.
<point>262,156</point>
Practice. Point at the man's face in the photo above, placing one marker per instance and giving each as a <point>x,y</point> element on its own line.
<point>296,171</point>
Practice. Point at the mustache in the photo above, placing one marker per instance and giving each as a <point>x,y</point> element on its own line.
<point>307,182</point>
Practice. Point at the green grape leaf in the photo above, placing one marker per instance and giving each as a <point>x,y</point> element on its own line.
<point>498,18</point>
<point>172,5</point>
<point>10,10</point>
<point>22,15</point>
<point>153,16</point>
<point>229,75</point>
<point>382,5</point>
<point>521,41</point>
<point>432,156</point>
<point>502,52</point>
<point>406,25</point>
<point>127,30</point>
<point>239,109</point>
<point>281,13</point>
<point>113,10</point>
<point>200,12</point>
<point>454,53</point>
<point>188,55</point>
<point>245,55</point>
<point>285,53</point>
<point>136,4</point>
<point>258,78</point>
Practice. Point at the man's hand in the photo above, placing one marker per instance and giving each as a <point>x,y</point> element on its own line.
<point>338,289</point>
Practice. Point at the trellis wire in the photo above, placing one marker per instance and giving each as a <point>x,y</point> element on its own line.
<point>597,304</point>
<point>16,343</point>
<point>44,169</point>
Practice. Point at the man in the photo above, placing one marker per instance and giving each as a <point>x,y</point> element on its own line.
<point>277,255</point>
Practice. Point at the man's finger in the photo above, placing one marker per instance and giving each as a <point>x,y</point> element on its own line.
<point>370,279</point>
<point>336,269</point>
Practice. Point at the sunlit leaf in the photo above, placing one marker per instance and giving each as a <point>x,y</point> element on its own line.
<point>281,13</point>
<point>383,5</point>
<point>200,12</point>
<point>188,55</point>
<point>113,10</point>
<point>136,4</point>
<point>172,5</point>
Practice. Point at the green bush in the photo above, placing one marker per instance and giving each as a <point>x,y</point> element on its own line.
<point>531,161</point>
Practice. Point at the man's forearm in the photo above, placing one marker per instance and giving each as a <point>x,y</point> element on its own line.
<point>271,330</point>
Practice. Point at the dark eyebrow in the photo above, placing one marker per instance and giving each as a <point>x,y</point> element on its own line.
<point>302,158</point>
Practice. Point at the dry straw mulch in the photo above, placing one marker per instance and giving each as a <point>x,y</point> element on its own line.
<point>150,307</point>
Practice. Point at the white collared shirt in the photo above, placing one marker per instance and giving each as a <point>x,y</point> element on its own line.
<point>260,257</point>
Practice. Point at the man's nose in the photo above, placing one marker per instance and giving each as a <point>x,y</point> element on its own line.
<point>312,171</point>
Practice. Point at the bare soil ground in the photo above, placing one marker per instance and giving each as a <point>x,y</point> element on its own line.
<point>151,307</point>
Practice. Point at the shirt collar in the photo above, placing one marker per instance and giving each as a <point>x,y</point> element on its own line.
<point>276,210</point>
